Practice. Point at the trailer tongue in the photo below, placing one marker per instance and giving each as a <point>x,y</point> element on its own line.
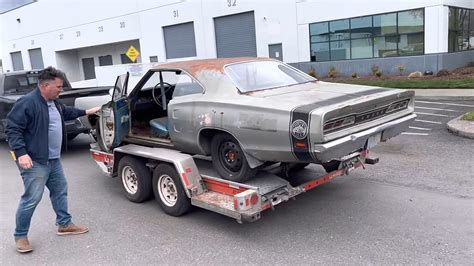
<point>180,180</point>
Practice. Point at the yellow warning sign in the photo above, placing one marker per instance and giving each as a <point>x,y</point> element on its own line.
<point>132,53</point>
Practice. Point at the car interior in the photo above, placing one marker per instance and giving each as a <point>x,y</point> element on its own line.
<point>149,106</point>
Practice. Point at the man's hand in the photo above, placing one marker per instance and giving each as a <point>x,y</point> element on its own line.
<point>25,161</point>
<point>92,110</point>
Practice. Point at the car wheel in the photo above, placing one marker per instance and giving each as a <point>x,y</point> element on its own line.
<point>169,191</point>
<point>331,166</point>
<point>229,159</point>
<point>136,179</point>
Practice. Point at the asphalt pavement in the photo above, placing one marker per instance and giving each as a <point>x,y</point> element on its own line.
<point>415,207</point>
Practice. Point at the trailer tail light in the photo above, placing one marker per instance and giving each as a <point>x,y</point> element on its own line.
<point>246,200</point>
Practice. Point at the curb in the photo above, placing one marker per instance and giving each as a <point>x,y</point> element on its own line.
<point>440,98</point>
<point>461,128</point>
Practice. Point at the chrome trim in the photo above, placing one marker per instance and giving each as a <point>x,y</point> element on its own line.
<point>348,144</point>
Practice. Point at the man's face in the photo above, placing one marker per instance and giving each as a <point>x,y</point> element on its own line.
<point>50,89</point>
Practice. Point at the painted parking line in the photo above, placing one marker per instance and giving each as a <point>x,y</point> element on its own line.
<point>438,109</point>
<point>420,128</point>
<point>453,104</point>
<point>427,121</point>
<point>415,134</point>
<point>420,113</point>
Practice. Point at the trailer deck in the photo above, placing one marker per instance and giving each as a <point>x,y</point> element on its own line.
<point>241,201</point>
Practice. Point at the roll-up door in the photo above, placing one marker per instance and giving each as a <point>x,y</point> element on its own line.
<point>235,35</point>
<point>36,58</point>
<point>17,61</point>
<point>179,40</point>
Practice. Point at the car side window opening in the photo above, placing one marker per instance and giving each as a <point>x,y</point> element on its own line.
<point>261,75</point>
<point>149,107</point>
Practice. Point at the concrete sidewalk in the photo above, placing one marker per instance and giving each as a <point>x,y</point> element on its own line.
<point>456,126</point>
<point>444,94</point>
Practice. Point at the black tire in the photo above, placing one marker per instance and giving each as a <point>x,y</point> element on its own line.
<point>234,169</point>
<point>135,178</point>
<point>331,166</point>
<point>169,191</point>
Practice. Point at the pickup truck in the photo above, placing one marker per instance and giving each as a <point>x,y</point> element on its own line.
<point>13,85</point>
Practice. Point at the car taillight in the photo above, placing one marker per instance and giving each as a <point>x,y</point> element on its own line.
<point>338,123</point>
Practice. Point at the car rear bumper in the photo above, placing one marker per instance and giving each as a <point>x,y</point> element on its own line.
<point>336,149</point>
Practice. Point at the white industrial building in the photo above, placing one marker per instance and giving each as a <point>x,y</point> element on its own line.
<point>81,36</point>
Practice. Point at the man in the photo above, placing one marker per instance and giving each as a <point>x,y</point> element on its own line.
<point>35,133</point>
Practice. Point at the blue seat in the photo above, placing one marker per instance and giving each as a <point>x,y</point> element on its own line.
<point>159,127</point>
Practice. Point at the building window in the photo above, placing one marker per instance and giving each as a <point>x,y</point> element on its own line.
<point>461,29</point>
<point>124,59</point>
<point>105,60</point>
<point>383,35</point>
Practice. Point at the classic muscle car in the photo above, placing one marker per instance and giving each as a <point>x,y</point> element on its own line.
<point>250,112</point>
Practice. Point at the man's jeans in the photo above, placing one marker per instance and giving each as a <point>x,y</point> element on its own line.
<point>35,179</point>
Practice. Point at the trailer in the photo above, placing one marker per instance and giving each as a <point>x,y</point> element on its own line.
<point>179,181</point>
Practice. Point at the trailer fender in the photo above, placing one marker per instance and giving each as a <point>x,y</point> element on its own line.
<point>183,163</point>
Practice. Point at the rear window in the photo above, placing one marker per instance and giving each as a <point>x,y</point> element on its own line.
<point>23,83</point>
<point>261,75</point>
<point>20,84</point>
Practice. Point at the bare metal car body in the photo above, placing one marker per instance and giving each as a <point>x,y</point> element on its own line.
<point>306,121</point>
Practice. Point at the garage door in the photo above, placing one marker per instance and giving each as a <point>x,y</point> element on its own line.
<point>235,35</point>
<point>36,58</point>
<point>180,40</point>
<point>17,61</point>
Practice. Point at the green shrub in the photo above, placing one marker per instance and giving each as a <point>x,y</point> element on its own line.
<point>354,75</point>
<point>312,72</point>
<point>332,72</point>
<point>401,68</point>
<point>378,73</point>
<point>374,69</point>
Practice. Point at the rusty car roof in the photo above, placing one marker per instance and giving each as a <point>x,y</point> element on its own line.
<point>216,64</point>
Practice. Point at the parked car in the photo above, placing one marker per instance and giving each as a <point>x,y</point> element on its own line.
<point>250,112</point>
<point>14,85</point>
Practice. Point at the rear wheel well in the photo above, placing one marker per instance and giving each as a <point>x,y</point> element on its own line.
<point>205,138</point>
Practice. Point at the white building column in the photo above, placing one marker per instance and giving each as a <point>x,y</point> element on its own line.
<point>436,29</point>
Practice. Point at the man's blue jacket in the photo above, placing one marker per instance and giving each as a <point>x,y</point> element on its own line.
<point>28,124</point>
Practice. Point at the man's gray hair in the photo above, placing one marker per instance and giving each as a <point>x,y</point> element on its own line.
<point>50,73</point>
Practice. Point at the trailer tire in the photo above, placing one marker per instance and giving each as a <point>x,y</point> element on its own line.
<point>234,169</point>
<point>135,178</point>
<point>169,191</point>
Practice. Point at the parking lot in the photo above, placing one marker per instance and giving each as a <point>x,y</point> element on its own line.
<point>414,207</point>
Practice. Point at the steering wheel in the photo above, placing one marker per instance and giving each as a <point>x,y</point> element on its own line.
<point>157,101</point>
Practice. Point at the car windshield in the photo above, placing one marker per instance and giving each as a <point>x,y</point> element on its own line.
<point>261,75</point>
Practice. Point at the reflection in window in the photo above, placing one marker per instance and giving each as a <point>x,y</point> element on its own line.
<point>410,21</point>
<point>320,51</point>
<point>340,50</point>
<point>385,24</point>
<point>361,48</point>
<point>461,29</point>
<point>339,30</point>
<point>384,35</point>
<point>385,47</point>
